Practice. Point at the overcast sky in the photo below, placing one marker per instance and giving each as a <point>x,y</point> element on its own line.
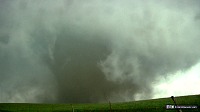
<point>73,51</point>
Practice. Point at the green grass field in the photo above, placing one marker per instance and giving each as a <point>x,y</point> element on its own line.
<point>153,105</point>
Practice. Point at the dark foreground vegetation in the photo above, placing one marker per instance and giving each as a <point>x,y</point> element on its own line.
<point>154,105</point>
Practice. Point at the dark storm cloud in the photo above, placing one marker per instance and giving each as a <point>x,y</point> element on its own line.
<point>92,51</point>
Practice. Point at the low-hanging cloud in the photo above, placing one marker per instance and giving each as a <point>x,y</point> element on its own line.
<point>71,51</point>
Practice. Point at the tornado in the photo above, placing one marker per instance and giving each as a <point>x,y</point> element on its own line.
<point>91,51</point>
